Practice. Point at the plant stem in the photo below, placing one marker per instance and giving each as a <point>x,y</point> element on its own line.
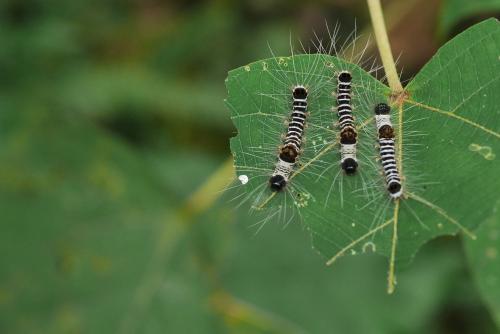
<point>384,47</point>
<point>168,237</point>
<point>210,191</point>
<point>396,12</point>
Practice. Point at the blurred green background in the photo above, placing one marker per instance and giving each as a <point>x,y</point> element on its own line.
<point>113,149</point>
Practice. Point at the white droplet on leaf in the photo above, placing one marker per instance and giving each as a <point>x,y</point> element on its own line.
<point>243,179</point>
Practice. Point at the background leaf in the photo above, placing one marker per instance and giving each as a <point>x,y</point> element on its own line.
<point>454,11</point>
<point>484,258</point>
<point>95,213</point>
<point>294,279</point>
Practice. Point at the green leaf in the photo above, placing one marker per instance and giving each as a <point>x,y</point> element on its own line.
<point>454,11</point>
<point>109,89</point>
<point>86,230</point>
<point>484,259</point>
<point>290,285</point>
<point>447,134</point>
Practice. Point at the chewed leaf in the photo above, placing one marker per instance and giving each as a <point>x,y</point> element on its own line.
<point>447,134</point>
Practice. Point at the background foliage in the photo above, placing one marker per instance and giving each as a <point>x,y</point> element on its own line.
<point>112,115</point>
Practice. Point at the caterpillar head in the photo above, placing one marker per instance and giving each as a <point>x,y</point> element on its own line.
<point>394,189</point>
<point>382,109</point>
<point>345,76</point>
<point>300,92</point>
<point>277,183</point>
<point>349,165</point>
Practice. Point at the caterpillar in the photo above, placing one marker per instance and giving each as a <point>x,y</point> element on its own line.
<point>290,150</point>
<point>387,149</point>
<point>348,134</point>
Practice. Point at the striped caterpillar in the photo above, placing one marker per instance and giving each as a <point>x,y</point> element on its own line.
<point>348,134</point>
<point>290,150</point>
<point>387,149</point>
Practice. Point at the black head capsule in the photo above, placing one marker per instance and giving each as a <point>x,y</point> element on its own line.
<point>300,92</point>
<point>349,165</point>
<point>394,188</point>
<point>345,77</point>
<point>277,183</point>
<point>382,109</point>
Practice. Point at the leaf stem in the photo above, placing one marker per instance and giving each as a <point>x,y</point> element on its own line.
<point>384,47</point>
<point>391,278</point>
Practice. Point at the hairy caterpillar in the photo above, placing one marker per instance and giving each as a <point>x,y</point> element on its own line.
<point>387,149</point>
<point>348,134</point>
<point>290,150</point>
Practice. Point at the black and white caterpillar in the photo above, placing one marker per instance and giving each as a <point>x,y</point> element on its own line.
<point>348,134</point>
<point>290,149</point>
<point>387,149</point>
